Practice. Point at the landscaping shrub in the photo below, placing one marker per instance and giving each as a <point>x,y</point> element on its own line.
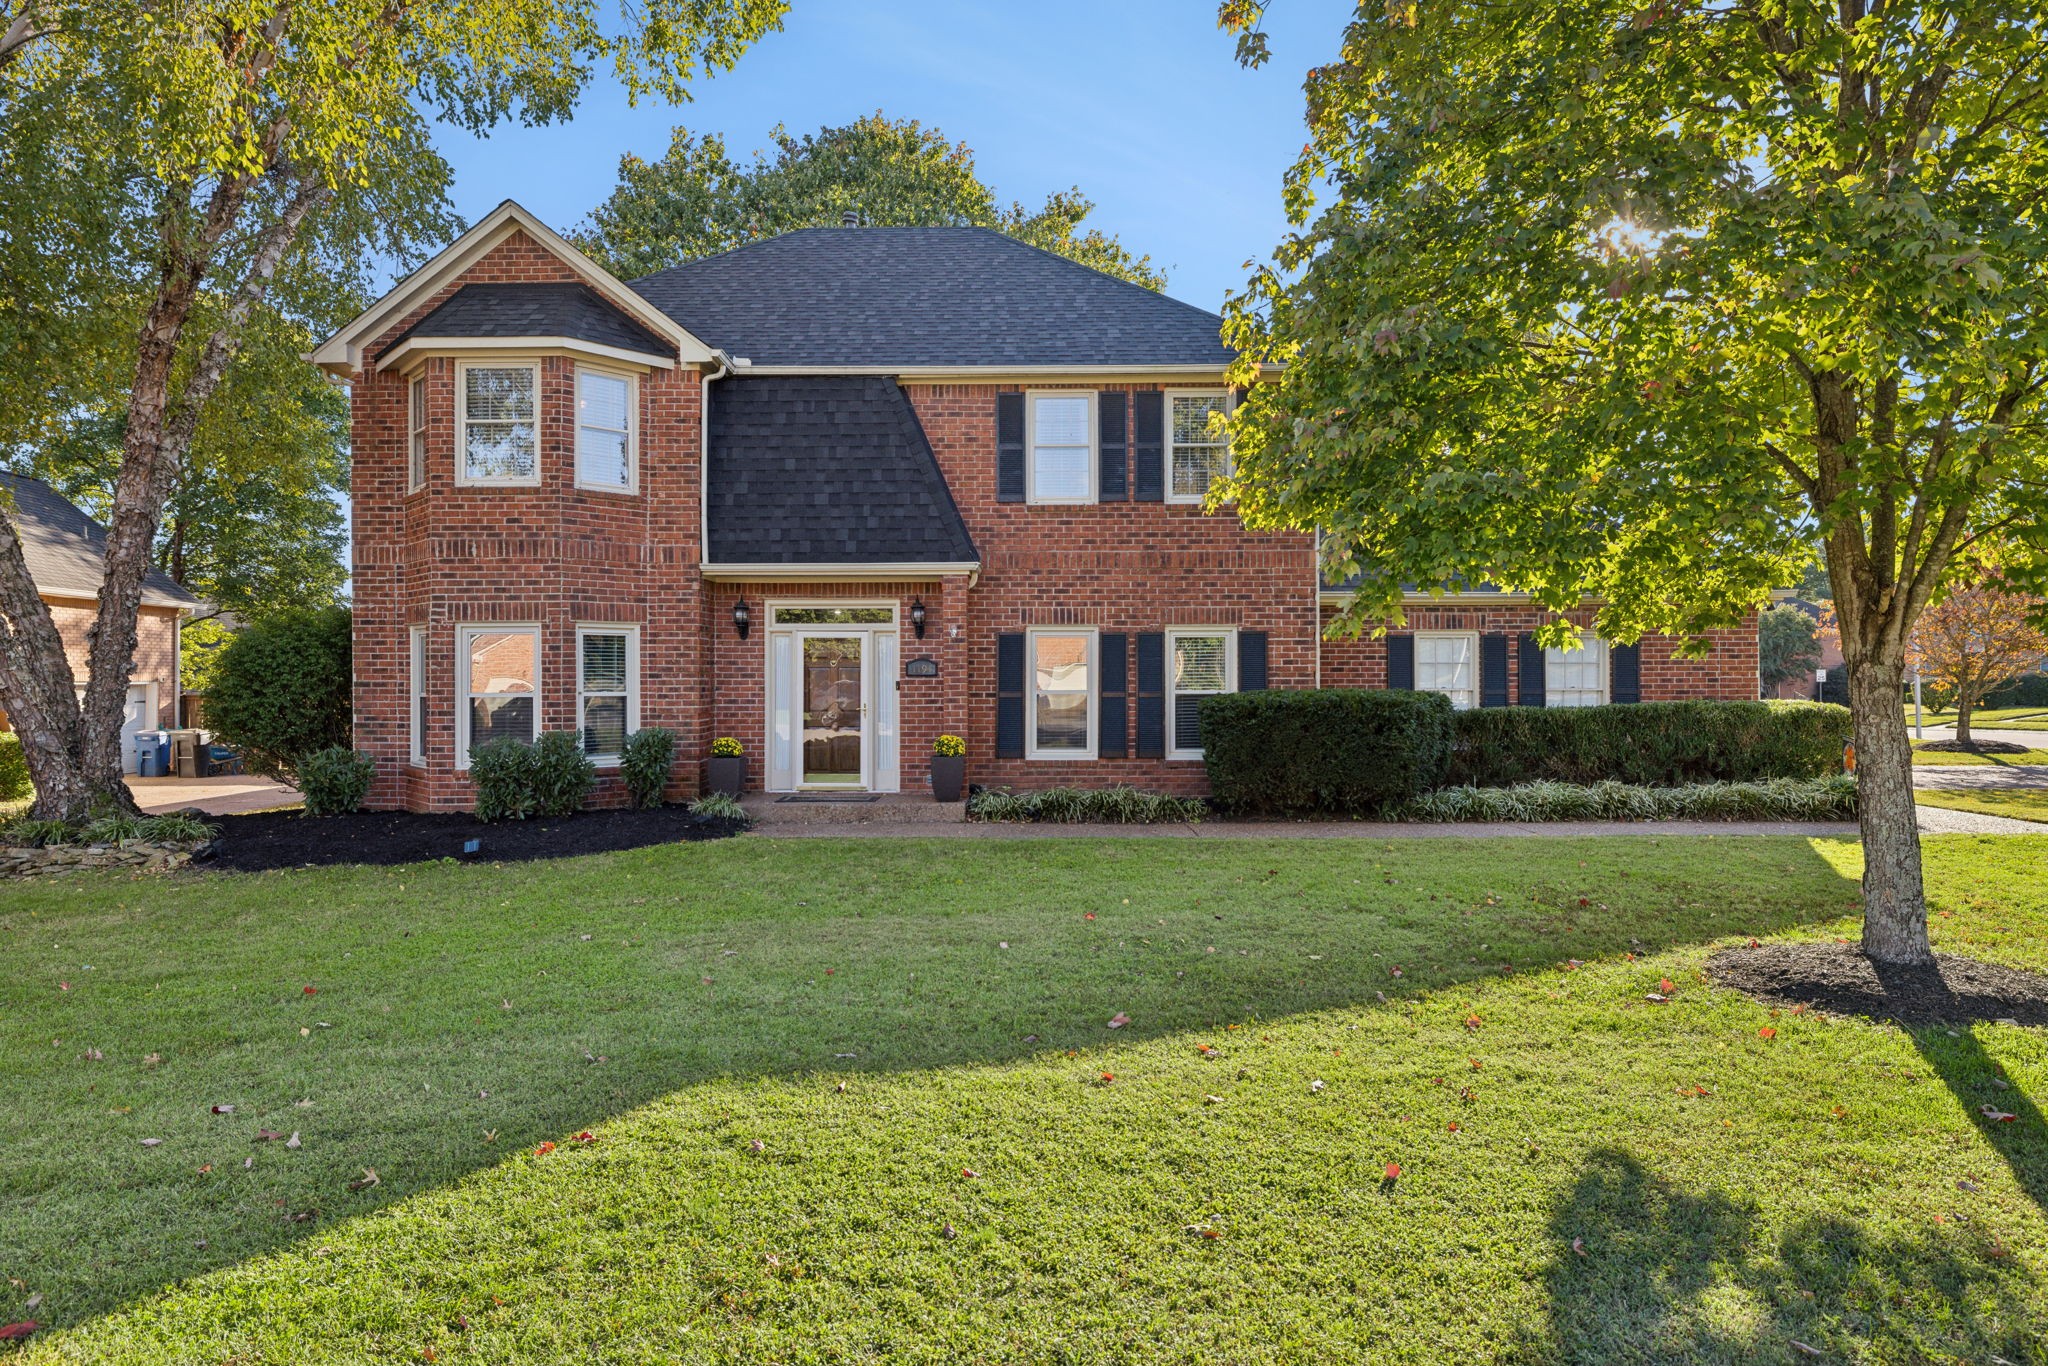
<point>2031,691</point>
<point>1655,743</point>
<point>1075,805</point>
<point>281,690</point>
<point>24,832</point>
<point>719,806</point>
<point>335,780</point>
<point>14,783</point>
<point>503,773</point>
<point>645,763</point>
<point>1777,799</point>
<point>1335,751</point>
<point>116,827</point>
<point>562,774</point>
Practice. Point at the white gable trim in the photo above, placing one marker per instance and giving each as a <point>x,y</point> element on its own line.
<point>342,353</point>
<point>408,353</point>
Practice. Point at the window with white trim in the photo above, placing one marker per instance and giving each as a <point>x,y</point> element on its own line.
<point>1448,662</point>
<point>497,425</point>
<point>1202,663</point>
<point>606,448</point>
<point>1196,451</point>
<point>607,688</point>
<point>416,424</point>
<point>416,674</point>
<point>1060,441</point>
<point>498,679</point>
<point>1063,682</point>
<point>1576,678</point>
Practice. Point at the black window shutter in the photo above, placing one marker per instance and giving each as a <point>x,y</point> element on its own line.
<point>1624,673</point>
<point>1010,697</point>
<point>1152,695</point>
<point>1148,446</point>
<point>1251,661</point>
<point>1493,670</point>
<point>1113,484</point>
<point>1010,448</point>
<point>1401,661</point>
<point>1534,682</point>
<point>1110,740</point>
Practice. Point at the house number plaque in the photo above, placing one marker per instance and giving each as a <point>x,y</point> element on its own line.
<point>924,666</point>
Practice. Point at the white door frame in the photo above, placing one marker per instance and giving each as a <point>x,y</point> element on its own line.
<point>880,766</point>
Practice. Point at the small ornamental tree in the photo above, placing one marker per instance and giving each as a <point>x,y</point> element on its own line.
<point>1974,641</point>
<point>1631,300</point>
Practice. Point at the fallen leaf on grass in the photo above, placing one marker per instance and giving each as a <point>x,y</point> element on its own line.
<point>1473,1022</point>
<point>1664,985</point>
<point>293,1141</point>
<point>1655,997</point>
<point>1996,1115</point>
<point>970,1173</point>
<point>369,1179</point>
<point>94,1055</point>
<point>1767,1033</point>
<point>1108,1077</point>
<point>206,1168</point>
<point>544,1149</point>
<point>152,1142</point>
<point>309,991</point>
<point>949,1232</point>
<point>1393,1171</point>
<point>757,1145</point>
<point>304,1216</point>
<point>15,1332</point>
<point>34,1302</point>
<point>1476,1064</point>
<point>1119,1020</point>
<point>586,1137</point>
<point>1802,1348</point>
<point>1579,1246</point>
<point>248,1164</point>
<point>1212,1100</point>
<point>1315,1087</point>
<point>223,1109</point>
<point>1452,1127</point>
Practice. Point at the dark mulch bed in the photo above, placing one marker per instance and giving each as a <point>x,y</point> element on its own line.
<point>291,839</point>
<point>1973,747</point>
<point>1838,979</point>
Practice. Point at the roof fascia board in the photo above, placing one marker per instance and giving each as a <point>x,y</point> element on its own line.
<point>1338,597</point>
<point>992,373</point>
<point>342,352</point>
<point>422,347</point>
<point>835,573</point>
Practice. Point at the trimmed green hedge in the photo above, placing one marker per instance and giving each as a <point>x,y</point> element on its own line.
<point>1779,799</point>
<point>14,783</point>
<point>1331,751</point>
<point>1653,744</point>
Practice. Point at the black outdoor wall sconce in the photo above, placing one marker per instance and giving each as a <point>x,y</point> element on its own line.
<point>741,618</point>
<point>917,616</point>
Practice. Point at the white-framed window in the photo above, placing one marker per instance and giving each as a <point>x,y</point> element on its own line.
<point>1196,451</point>
<point>416,429</point>
<point>607,446</point>
<point>607,688</point>
<point>1063,686</point>
<point>497,676</point>
<point>1201,661</point>
<point>416,695</point>
<point>1448,662</point>
<point>497,422</point>
<point>1576,678</point>
<point>1059,440</point>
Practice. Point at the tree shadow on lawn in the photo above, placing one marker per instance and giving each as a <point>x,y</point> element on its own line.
<point>1646,1271</point>
<point>521,1003</point>
<point>1974,1077</point>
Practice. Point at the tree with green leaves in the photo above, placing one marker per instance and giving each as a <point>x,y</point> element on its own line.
<point>697,200</point>
<point>186,161</point>
<point>1787,645</point>
<point>1632,301</point>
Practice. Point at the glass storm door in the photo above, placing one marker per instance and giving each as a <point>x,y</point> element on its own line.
<point>833,693</point>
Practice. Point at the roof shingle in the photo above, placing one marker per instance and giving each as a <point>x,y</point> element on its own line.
<point>925,297</point>
<point>825,470</point>
<point>546,310</point>
<point>67,550</point>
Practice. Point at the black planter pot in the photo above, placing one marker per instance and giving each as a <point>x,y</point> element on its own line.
<point>948,773</point>
<point>727,774</point>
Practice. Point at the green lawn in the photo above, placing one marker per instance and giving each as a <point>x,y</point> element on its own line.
<point>1625,1181</point>
<point>1997,718</point>
<point>1943,756</point>
<point>2022,804</point>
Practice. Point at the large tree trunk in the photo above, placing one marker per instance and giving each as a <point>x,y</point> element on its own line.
<point>37,689</point>
<point>1964,706</point>
<point>1894,906</point>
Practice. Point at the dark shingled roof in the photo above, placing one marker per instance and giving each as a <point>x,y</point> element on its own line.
<point>826,470</point>
<point>553,310</point>
<point>925,296</point>
<point>66,550</point>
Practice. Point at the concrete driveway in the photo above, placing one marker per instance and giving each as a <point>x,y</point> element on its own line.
<point>222,795</point>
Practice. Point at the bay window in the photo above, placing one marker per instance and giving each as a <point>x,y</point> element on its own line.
<point>607,688</point>
<point>498,679</point>
<point>497,428</point>
<point>605,444</point>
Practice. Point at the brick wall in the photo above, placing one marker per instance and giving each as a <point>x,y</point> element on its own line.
<point>156,648</point>
<point>554,555</point>
<point>1728,673</point>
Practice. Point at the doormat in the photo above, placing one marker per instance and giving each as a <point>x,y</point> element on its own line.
<point>828,798</point>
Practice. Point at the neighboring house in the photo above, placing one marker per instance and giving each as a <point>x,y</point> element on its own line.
<point>66,554</point>
<point>949,483</point>
<point>1830,641</point>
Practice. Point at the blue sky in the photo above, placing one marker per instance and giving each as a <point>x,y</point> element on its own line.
<point>1140,103</point>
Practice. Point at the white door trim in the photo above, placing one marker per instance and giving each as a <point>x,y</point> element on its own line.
<point>881,762</point>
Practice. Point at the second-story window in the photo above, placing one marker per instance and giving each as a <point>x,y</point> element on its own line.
<point>416,454</point>
<point>604,431</point>
<point>1196,451</point>
<point>1062,448</point>
<point>499,433</point>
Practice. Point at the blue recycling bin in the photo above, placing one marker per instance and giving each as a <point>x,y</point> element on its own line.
<point>148,762</point>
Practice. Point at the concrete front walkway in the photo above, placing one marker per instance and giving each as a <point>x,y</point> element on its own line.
<point>2032,739</point>
<point>222,795</point>
<point>1966,776</point>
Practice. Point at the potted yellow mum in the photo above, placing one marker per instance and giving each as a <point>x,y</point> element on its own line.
<point>949,767</point>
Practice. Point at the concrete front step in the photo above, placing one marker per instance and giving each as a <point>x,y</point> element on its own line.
<point>887,809</point>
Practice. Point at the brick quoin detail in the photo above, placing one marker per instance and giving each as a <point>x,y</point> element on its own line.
<point>555,556</point>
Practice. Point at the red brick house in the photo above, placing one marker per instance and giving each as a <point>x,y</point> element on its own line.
<point>948,483</point>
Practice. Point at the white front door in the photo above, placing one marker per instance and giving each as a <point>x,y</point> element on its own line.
<point>832,699</point>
